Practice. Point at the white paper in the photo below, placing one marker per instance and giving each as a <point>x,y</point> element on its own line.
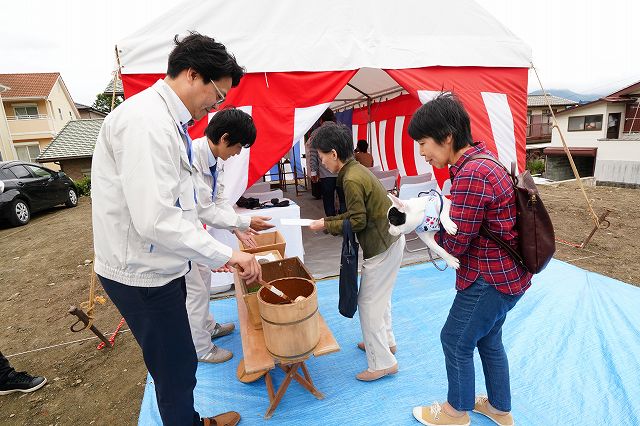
<point>296,222</point>
<point>267,257</point>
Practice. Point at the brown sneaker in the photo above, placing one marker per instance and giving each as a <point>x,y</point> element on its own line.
<point>482,407</point>
<point>230,418</point>
<point>216,355</point>
<point>220,330</point>
<point>370,376</point>
<point>391,348</point>
<point>434,415</point>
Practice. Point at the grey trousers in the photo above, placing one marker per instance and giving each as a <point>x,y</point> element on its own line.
<point>201,320</point>
<point>374,305</point>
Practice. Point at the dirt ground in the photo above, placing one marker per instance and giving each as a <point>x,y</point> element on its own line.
<point>43,272</point>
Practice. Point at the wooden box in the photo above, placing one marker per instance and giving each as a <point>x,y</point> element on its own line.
<point>285,268</point>
<point>266,241</point>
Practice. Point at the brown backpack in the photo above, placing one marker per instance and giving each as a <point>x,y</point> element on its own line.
<point>536,238</point>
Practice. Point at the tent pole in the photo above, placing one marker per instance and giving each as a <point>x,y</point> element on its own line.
<point>116,74</point>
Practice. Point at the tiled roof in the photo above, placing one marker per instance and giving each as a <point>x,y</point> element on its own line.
<point>539,100</point>
<point>28,85</point>
<point>109,89</point>
<point>81,106</point>
<point>76,140</point>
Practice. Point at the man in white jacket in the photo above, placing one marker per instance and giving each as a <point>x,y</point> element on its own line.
<point>228,132</point>
<point>145,222</point>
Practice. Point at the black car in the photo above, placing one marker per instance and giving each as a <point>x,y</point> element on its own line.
<point>30,187</point>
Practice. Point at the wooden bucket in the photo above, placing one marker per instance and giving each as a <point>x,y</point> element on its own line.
<point>291,330</point>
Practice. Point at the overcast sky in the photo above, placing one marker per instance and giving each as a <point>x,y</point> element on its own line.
<point>588,46</point>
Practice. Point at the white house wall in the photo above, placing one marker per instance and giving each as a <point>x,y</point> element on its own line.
<point>584,138</point>
<point>7,152</point>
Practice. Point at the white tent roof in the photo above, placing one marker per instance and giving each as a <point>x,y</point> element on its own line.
<point>333,35</point>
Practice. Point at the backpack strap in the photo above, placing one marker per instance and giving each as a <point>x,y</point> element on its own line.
<point>484,230</point>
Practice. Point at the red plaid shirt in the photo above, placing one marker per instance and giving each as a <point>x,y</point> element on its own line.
<point>482,192</point>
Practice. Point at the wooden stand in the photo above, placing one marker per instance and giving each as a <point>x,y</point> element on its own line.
<point>257,358</point>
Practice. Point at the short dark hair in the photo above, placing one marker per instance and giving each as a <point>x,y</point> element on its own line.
<point>440,117</point>
<point>205,55</point>
<point>333,136</point>
<point>328,115</point>
<point>363,146</point>
<point>237,123</point>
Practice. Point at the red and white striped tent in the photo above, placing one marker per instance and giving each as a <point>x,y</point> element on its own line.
<point>302,57</point>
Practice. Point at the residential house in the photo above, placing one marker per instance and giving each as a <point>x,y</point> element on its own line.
<point>87,112</point>
<point>73,147</point>
<point>539,117</point>
<point>36,107</point>
<point>604,138</point>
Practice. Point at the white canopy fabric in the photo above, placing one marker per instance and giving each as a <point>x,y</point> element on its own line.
<point>333,35</point>
<point>303,56</point>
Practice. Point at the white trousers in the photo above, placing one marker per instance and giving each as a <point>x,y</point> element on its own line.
<point>200,318</point>
<point>378,277</point>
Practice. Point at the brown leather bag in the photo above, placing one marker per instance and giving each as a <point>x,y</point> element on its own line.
<point>536,237</point>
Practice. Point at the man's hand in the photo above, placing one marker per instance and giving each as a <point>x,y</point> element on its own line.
<point>248,267</point>
<point>317,225</point>
<point>224,268</point>
<point>259,223</point>
<point>246,238</point>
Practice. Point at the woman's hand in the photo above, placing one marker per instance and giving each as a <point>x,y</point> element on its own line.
<point>246,238</point>
<point>317,225</point>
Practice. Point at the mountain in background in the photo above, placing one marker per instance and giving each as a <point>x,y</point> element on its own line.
<point>568,94</point>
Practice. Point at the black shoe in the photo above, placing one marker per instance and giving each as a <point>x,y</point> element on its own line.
<point>21,382</point>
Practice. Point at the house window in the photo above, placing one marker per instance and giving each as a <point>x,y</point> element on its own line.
<point>26,112</point>
<point>60,111</point>
<point>585,123</point>
<point>28,151</point>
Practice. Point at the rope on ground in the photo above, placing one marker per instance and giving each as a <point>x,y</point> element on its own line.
<point>60,344</point>
<point>594,216</point>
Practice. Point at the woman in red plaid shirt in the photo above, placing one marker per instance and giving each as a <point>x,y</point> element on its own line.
<point>489,282</point>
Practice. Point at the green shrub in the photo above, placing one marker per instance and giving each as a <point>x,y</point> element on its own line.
<point>84,186</point>
<point>535,167</point>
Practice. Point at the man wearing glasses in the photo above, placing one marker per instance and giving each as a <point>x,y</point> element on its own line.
<point>145,222</point>
<point>228,132</point>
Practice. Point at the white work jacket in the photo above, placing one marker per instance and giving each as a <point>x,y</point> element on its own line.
<point>215,212</point>
<point>145,221</point>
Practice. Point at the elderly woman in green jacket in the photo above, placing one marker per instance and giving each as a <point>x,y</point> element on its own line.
<point>367,206</point>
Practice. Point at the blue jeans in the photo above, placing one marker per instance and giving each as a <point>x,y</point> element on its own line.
<point>157,318</point>
<point>475,320</point>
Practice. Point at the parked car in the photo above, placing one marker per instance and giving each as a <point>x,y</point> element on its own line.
<point>30,187</point>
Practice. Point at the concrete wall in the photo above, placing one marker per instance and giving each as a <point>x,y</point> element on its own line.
<point>618,162</point>
<point>77,168</point>
<point>557,167</point>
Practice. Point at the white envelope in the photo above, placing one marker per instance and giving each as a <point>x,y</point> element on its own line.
<point>295,222</point>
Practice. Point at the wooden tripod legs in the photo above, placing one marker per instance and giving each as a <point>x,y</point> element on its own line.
<point>292,373</point>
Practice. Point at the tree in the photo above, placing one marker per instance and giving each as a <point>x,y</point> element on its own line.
<point>103,102</point>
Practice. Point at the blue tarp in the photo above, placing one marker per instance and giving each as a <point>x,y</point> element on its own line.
<point>573,343</point>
